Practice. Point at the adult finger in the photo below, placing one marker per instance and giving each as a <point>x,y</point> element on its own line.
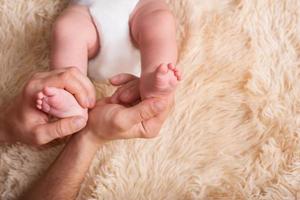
<point>131,95</point>
<point>45,133</point>
<point>150,128</point>
<point>116,96</point>
<point>38,80</point>
<point>74,82</point>
<point>143,111</point>
<point>122,79</point>
<point>145,129</point>
<point>85,83</point>
<point>45,74</point>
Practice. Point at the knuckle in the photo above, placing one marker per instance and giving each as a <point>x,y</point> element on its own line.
<point>30,86</point>
<point>65,76</point>
<point>118,121</point>
<point>146,114</point>
<point>69,73</point>
<point>73,71</point>
<point>32,81</point>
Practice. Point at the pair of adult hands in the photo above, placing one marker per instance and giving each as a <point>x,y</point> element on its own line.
<point>107,120</point>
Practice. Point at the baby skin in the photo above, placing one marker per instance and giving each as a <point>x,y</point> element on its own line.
<point>153,32</point>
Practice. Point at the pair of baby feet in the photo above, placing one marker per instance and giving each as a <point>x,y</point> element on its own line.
<point>62,104</point>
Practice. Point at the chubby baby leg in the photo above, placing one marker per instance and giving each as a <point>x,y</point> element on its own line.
<point>74,41</point>
<point>154,32</point>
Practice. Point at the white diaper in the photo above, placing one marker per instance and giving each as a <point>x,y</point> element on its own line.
<point>117,53</point>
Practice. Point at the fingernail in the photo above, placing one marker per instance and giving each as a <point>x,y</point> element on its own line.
<point>79,122</point>
<point>160,105</point>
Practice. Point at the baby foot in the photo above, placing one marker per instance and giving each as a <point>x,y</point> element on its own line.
<point>59,103</point>
<point>161,82</point>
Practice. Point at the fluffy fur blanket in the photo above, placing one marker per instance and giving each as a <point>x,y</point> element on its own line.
<point>234,133</point>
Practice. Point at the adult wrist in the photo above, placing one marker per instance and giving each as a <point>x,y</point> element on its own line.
<point>88,138</point>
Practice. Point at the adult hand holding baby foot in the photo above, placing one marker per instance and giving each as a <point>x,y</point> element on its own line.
<point>128,91</point>
<point>22,122</point>
<point>107,121</point>
<point>159,84</point>
<point>128,94</point>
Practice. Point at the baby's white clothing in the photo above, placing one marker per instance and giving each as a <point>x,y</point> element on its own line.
<point>117,52</point>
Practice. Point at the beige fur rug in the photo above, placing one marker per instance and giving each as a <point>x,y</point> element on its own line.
<point>234,133</point>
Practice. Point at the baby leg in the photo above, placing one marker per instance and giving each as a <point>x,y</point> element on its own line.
<point>74,41</point>
<point>154,32</point>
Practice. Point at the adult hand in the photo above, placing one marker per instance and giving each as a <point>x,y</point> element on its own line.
<point>129,92</point>
<point>109,121</point>
<point>23,122</point>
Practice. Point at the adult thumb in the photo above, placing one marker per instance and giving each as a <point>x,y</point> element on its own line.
<point>47,132</point>
<point>145,110</point>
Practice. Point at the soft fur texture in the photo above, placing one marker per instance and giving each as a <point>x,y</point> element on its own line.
<point>234,133</point>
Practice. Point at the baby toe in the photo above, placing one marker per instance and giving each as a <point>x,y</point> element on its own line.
<point>40,95</point>
<point>39,106</point>
<point>50,91</point>
<point>162,69</point>
<point>171,66</point>
<point>39,102</point>
<point>46,107</point>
